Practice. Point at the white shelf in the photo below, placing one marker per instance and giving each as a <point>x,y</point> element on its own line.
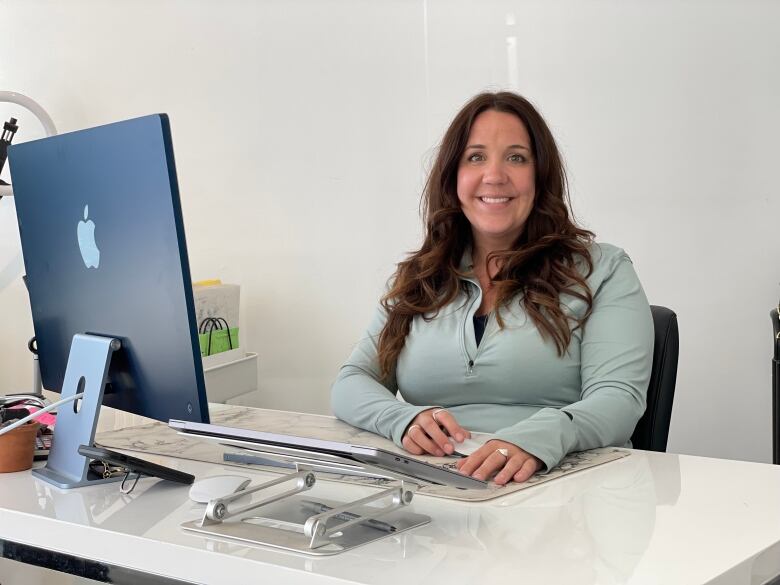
<point>230,374</point>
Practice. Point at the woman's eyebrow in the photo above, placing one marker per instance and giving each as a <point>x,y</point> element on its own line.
<point>520,146</point>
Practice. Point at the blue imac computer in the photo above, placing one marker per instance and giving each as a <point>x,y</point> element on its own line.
<point>109,281</point>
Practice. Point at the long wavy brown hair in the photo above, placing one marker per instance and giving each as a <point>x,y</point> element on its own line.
<point>540,267</point>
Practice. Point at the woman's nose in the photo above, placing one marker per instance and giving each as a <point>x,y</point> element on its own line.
<point>494,173</point>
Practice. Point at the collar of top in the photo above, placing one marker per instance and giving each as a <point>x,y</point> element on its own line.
<point>466,266</point>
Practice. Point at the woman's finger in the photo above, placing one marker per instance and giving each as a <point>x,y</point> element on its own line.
<point>411,446</point>
<point>493,463</point>
<point>530,467</point>
<point>470,464</point>
<point>419,436</point>
<point>513,465</point>
<point>454,430</point>
<point>434,432</point>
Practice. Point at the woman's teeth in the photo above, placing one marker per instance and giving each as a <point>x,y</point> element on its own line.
<point>494,199</point>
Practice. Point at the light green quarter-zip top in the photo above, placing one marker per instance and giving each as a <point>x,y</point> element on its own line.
<point>514,384</point>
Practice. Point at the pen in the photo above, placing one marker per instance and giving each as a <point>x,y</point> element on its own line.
<point>319,508</point>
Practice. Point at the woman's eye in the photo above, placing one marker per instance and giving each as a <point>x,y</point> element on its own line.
<point>517,158</point>
<point>476,157</point>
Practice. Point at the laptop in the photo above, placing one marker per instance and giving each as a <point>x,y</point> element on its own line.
<point>335,454</point>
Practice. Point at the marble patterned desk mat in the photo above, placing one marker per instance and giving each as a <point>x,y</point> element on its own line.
<point>157,438</point>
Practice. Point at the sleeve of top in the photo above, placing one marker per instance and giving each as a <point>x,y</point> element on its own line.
<point>360,397</point>
<point>616,355</point>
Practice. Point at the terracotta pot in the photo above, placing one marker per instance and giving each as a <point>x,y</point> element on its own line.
<point>17,448</point>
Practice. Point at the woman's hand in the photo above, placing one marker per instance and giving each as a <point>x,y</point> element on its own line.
<point>516,465</point>
<point>432,432</point>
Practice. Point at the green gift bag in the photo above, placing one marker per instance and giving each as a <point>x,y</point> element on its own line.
<point>216,336</point>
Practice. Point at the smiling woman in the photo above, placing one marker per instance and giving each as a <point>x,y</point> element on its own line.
<point>509,319</point>
<point>496,189</point>
<point>496,180</point>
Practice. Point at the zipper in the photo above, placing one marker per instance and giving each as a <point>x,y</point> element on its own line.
<point>469,360</point>
<point>464,328</point>
<point>481,343</point>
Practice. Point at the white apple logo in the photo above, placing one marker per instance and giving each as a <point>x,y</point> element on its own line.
<point>86,234</point>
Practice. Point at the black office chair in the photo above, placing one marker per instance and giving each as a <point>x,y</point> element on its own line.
<point>652,430</point>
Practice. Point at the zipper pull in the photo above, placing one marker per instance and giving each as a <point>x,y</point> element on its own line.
<point>471,366</point>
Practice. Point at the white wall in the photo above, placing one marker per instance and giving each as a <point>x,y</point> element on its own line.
<point>306,126</point>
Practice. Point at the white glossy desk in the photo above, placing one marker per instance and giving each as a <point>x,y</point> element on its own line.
<point>649,518</point>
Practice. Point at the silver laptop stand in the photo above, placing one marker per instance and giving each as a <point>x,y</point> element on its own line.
<point>311,526</point>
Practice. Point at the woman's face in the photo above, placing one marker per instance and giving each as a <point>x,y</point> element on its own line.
<point>496,184</point>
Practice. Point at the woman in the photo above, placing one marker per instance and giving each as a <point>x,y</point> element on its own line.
<point>509,319</point>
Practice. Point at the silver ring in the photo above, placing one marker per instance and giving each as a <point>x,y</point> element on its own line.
<point>409,430</point>
<point>435,412</point>
<point>504,452</point>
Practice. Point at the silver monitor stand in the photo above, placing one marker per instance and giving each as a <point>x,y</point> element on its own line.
<point>87,372</point>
